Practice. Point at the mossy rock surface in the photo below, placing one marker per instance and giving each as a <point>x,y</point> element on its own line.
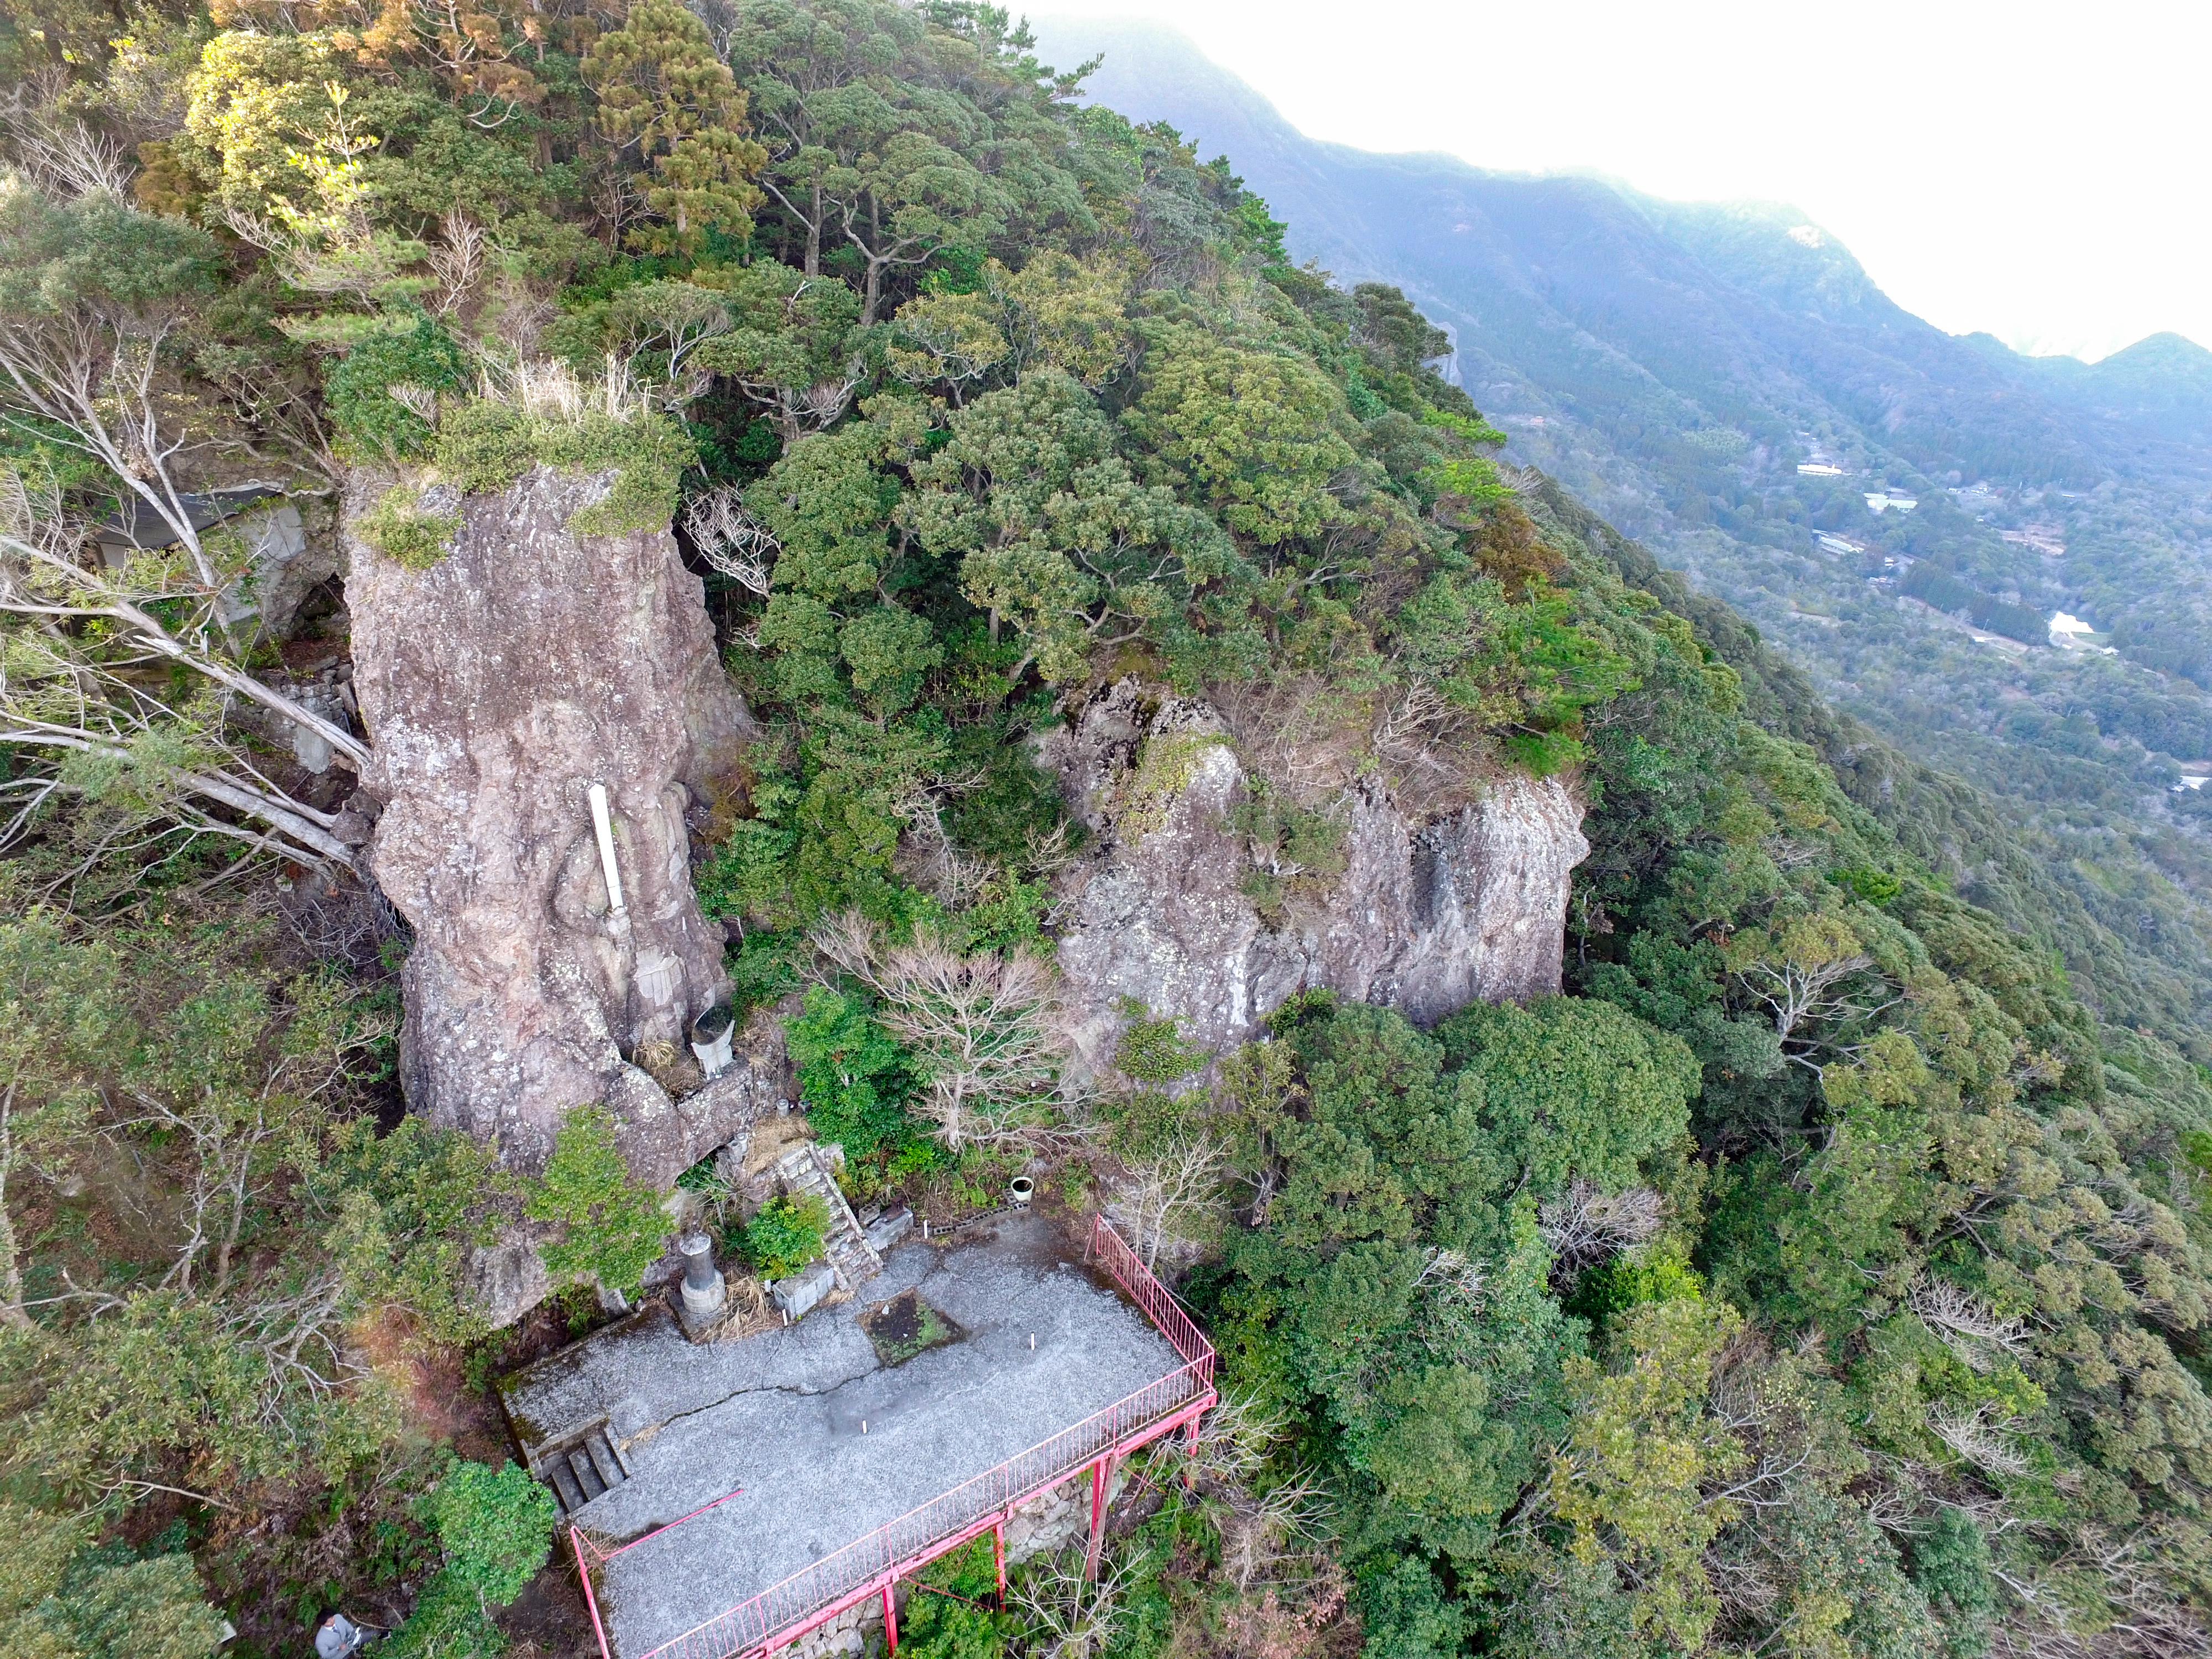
<point>484,446</point>
<point>906,1325</point>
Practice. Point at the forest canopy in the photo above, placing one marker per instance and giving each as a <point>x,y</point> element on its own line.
<point>1814,1274</point>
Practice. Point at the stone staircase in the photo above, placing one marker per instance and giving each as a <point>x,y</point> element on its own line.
<point>808,1169</point>
<point>581,1469</point>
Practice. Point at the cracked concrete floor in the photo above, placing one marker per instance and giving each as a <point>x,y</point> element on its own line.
<point>780,1415</point>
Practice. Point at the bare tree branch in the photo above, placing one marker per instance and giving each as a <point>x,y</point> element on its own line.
<point>981,1026</point>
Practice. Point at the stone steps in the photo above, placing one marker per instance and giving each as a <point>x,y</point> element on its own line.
<point>808,1170</point>
<point>584,1470</point>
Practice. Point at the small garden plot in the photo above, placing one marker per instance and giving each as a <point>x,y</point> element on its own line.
<point>906,1325</point>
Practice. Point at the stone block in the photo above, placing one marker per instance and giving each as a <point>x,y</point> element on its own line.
<point>886,1230</point>
<point>805,1288</point>
<point>505,1280</point>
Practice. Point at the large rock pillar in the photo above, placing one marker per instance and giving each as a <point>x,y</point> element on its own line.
<point>498,687</point>
<point>1433,910</point>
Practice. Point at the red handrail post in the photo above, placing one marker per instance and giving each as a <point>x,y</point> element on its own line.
<point>998,1557</point>
<point>890,1623</point>
<point>1101,1474</point>
<point>591,1602</point>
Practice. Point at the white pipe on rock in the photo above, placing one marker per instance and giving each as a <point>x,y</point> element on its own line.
<point>604,827</point>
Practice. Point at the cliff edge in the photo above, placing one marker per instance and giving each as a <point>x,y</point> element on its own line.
<point>1204,895</point>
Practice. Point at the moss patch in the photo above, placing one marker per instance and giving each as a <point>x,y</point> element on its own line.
<point>397,527</point>
<point>486,446</point>
<point>906,1325</point>
<point>1164,771</point>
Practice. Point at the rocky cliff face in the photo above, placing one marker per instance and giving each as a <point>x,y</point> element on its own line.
<point>497,687</point>
<point>1426,915</point>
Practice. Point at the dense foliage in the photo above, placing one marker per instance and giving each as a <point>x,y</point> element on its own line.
<point>493,1530</point>
<point>1817,1274</point>
<point>1674,365</point>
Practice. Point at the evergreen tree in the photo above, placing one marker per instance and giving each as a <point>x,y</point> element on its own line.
<point>662,88</point>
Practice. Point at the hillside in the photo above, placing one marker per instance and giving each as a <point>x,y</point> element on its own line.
<point>643,644</point>
<point>2159,389</point>
<point>1674,364</point>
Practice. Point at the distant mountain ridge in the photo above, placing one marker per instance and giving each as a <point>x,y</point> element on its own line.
<point>1675,365</point>
<point>2160,387</point>
<point>1579,282</point>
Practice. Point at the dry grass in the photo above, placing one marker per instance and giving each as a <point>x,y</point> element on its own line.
<point>772,1137</point>
<point>1312,742</point>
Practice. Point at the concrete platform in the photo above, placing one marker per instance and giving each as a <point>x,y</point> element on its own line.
<point>781,1416</point>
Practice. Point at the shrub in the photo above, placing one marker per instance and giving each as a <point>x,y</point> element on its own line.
<point>369,419</point>
<point>853,1075</point>
<point>955,1625</point>
<point>612,1227</point>
<point>495,1526</point>
<point>487,445</point>
<point>484,446</point>
<point>787,1234</point>
<point>1153,1050</point>
<point>648,455</point>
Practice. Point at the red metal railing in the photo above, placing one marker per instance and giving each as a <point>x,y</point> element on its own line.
<point>785,1611</point>
<point>1158,1302</point>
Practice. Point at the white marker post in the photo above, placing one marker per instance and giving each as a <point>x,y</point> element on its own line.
<point>604,826</point>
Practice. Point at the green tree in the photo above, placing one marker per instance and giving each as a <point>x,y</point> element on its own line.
<point>829,505</point>
<point>408,1206</point>
<point>1578,1087</point>
<point>1951,1563</point>
<point>1525,666</point>
<point>248,101</point>
<point>1629,1478</point>
<point>887,650</point>
<point>853,1078</point>
<point>1054,533</point>
<point>1255,434</point>
<point>612,1227</point>
<point>805,64</point>
<point>892,140</point>
<point>661,87</point>
<point>62,1018</point>
<point>796,344</point>
<point>1413,1293</point>
<point>62,1597</point>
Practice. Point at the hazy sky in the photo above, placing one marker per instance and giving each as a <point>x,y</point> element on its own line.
<point>2038,171</point>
